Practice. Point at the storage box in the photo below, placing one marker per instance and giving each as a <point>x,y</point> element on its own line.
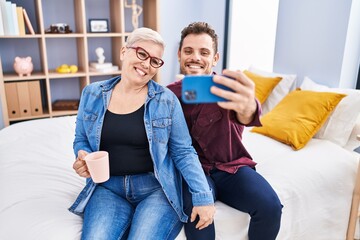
<point>67,104</point>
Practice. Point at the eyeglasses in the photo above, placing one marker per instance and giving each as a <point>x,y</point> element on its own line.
<point>142,54</point>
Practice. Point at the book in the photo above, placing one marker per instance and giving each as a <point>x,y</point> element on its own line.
<point>104,70</point>
<point>28,23</point>
<point>96,65</point>
<point>14,19</point>
<point>7,17</point>
<point>21,21</point>
<point>10,18</point>
<point>4,17</point>
<point>1,23</point>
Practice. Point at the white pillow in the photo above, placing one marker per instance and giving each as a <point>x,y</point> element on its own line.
<point>286,85</point>
<point>353,142</point>
<point>340,123</point>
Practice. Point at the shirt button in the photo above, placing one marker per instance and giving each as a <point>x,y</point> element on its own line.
<point>205,149</point>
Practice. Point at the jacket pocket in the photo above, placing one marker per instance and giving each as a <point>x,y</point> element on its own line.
<point>161,129</point>
<point>89,121</point>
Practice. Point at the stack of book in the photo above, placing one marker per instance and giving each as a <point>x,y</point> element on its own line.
<point>13,19</point>
<point>106,67</point>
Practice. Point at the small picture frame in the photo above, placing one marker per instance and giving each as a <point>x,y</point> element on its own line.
<point>98,25</point>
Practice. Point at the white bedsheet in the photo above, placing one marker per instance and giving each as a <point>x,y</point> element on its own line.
<point>38,184</point>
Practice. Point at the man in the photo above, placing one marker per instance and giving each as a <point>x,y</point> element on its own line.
<point>216,131</point>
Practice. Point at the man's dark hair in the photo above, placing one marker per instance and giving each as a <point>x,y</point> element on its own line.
<point>199,28</point>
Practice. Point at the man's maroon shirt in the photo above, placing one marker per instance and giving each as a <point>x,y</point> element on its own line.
<point>216,134</point>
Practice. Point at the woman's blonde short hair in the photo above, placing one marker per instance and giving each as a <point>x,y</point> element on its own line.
<point>144,34</point>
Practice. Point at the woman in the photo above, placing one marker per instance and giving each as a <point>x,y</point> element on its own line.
<point>141,125</point>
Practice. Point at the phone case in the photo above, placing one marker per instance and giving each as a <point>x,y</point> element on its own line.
<point>196,89</point>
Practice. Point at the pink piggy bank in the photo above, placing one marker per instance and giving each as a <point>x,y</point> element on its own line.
<point>23,66</point>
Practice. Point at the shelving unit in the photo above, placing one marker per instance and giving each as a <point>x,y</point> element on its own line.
<point>49,51</point>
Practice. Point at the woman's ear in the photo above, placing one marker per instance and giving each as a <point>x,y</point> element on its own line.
<point>122,53</point>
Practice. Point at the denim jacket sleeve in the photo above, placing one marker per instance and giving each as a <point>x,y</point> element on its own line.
<point>186,159</point>
<point>81,141</point>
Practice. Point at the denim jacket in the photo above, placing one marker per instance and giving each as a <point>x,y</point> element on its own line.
<point>169,140</point>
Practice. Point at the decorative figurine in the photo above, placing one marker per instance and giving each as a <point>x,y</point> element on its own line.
<point>100,54</point>
<point>101,65</point>
<point>136,12</point>
<point>23,66</point>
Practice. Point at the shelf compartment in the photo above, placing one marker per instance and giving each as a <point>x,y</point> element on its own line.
<point>20,47</point>
<point>105,9</point>
<point>65,88</point>
<point>65,6</point>
<point>26,99</point>
<point>65,51</point>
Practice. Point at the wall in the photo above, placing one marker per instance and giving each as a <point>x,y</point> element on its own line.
<point>174,16</point>
<point>251,38</point>
<point>351,64</point>
<point>319,39</point>
<point>311,37</point>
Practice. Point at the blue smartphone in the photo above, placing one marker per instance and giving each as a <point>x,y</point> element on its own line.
<point>196,89</point>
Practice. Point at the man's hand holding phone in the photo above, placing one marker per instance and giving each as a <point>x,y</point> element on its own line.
<point>196,89</point>
<point>232,90</point>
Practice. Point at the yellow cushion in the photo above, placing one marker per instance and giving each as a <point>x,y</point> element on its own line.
<point>263,85</point>
<point>297,118</point>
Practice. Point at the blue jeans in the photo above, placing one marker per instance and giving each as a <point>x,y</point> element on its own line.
<point>246,191</point>
<point>130,207</point>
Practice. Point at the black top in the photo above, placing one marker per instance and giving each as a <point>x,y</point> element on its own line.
<point>124,137</point>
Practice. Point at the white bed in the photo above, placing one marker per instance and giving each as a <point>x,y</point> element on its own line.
<point>38,184</point>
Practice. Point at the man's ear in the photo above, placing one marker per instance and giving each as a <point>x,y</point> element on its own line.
<point>179,54</point>
<point>216,59</point>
